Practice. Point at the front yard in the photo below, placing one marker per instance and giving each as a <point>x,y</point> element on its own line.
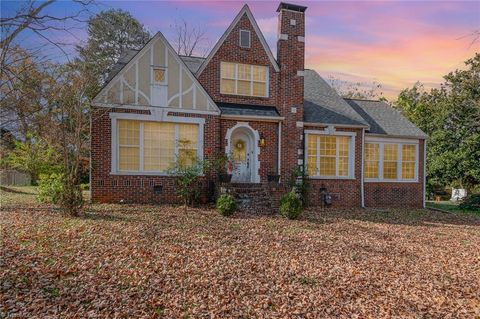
<point>160,262</point>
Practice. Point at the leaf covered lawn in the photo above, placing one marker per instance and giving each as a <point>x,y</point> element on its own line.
<point>160,262</point>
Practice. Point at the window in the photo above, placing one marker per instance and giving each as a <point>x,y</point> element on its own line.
<point>243,79</point>
<point>371,160</point>
<point>390,157</point>
<point>329,155</point>
<point>159,76</point>
<point>408,161</point>
<point>245,38</point>
<point>387,161</point>
<point>145,146</point>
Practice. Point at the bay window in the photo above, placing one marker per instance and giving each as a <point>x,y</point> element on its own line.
<point>243,79</point>
<point>390,161</point>
<point>147,146</point>
<point>329,156</point>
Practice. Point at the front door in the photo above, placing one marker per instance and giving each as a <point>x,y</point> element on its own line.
<point>241,153</point>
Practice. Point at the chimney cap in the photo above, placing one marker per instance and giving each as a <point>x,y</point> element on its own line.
<point>290,6</point>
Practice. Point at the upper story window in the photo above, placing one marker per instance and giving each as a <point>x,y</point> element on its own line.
<point>386,161</point>
<point>245,38</point>
<point>330,156</point>
<point>243,79</point>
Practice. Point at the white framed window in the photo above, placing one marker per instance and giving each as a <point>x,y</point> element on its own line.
<point>143,146</point>
<point>330,156</point>
<point>391,160</point>
<point>244,79</point>
<point>244,38</point>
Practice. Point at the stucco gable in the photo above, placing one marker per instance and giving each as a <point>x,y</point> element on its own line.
<point>134,86</point>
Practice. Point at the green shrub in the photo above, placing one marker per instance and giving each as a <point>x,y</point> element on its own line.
<point>85,186</point>
<point>291,205</point>
<point>472,202</point>
<point>50,188</point>
<point>226,204</point>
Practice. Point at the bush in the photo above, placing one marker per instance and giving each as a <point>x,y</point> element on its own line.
<point>85,186</point>
<point>50,188</point>
<point>472,202</point>
<point>291,205</point>
<point>226,204</point>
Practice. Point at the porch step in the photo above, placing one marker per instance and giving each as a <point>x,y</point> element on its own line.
<point>253,198</point>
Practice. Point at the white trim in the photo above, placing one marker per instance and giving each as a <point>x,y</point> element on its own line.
<point>240,39</point>
<point>244,10</point>
<point>299,124</point>
<point>256,137</point>
<point>279,149</point>
<point>154,108</point>
<point>301,39</point>
<point>293,22</point>
<point>424,172</point>
<point>253,118</point>
<point>283,36</point>
<point>336,125</point>
<point>399,143</point>
<point>396,136</point>
<point>351,152</point>
<point>300,73</point>
<point>362,181</point>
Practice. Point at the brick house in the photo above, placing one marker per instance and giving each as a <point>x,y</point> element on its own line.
<point>268,114</point>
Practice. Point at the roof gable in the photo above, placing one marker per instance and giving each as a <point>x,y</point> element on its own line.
<point>132,82</point>
<point>324,105</point>
<point>244,11</point>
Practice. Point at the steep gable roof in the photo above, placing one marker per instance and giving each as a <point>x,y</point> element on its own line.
<point>130,57</point>
<point>244,11</point>
<point>324,105</point>
<point>385,120</point>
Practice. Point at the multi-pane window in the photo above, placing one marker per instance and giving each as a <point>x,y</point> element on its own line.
<point>408,161</point>
<point>390,161</point>
<point>390,157</point>
<point>128,145</point>
<point>162,144</point>
<point>328,156</point>
<point>371,160</point>
<point>243,79</point>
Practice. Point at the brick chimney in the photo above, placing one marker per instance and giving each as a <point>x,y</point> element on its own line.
<point>291,58</point>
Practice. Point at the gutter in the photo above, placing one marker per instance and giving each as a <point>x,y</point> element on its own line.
<point>253,118</point>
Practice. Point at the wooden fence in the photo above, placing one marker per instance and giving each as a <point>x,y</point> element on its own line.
<point>10,177</point>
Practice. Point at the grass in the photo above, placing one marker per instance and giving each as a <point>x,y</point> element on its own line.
<point>450,207</point>
<point>131,261</point>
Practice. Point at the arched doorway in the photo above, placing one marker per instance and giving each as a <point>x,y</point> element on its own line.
<point>242,147</point>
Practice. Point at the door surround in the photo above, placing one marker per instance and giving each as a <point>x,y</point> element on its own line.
<point>254,136</point>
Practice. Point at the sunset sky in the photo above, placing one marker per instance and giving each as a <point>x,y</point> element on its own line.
<point>393,43</point>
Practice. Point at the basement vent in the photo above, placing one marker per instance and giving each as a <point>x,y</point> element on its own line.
<point>101,182</point>
<point>127,183</point>
<point>114,183</point>
<point>157,189</point>
<point>152,183</point>
<point>245,38</point>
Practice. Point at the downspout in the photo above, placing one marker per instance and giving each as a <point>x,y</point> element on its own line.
<point>362,191</point>
<point>279,160</point>
<point>90,164</point>
<point>424,171</point>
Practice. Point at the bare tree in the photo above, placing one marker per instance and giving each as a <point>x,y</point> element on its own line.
<point>189,40</point>
<point>357,90</point>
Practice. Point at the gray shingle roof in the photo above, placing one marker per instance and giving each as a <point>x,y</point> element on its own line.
<point>324,105</point>
<point>247,110</point>
<point>193,63</point>
<point>383,119</point>
<point>125,57</point>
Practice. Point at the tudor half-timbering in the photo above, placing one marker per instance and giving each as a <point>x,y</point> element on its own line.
<point>269,114</point>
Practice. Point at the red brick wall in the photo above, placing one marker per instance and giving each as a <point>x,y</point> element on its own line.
<point>268,153</point>
<point>391,194</point>
<point>230,51</point>
<point>291,57</point>
<point>345,192</point>
<point>137,188</point>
